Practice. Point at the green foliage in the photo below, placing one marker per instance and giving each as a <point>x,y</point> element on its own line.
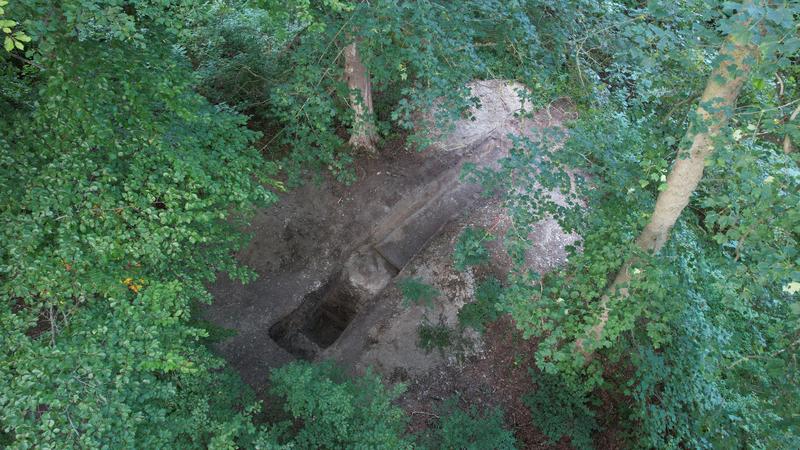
<point>485,309</point>
<point>417,291</point>
<point>704,325</point>
<point>282,62</point>
<point>122,373</point>
<point>123,190</point>
<point>469,429</point>
<point>470,250</point>
<point>233,49</point>
<point>711,377</point>
<point>122,195</point>
<point>694,310</point>
<point>11,39</point>
<point>332,411</point>
<point>435,336</point>
<point>558,410</point>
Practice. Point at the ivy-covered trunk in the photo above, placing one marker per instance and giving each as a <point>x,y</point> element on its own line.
<point>363,134</point>
<point>713,112</point>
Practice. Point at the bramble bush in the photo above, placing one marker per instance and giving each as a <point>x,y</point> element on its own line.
<point>470,249</point>
<point>485,309</point>
<point>558,410</point>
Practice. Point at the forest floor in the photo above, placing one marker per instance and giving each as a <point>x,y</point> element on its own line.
<point>407,208</point>
<point>498,378</point>
<point>299,243</point>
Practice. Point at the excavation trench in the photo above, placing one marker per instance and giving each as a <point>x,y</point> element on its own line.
<point>325,253</point>
<point>321,317</point>
<point>324,313</point>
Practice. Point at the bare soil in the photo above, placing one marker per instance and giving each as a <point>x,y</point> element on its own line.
<point>498,378</point>
<point>408,208</point>
<point>299,243</point>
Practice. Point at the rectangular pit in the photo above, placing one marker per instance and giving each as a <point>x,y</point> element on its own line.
<point>318,321</point>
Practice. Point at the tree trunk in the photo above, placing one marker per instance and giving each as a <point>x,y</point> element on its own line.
<point>713,113</point>
<point>787,141</point>
<point>363,134</point>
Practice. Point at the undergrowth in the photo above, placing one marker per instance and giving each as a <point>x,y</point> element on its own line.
<point>469,429</point>
<point>484,310</point>
<point>417,292</point>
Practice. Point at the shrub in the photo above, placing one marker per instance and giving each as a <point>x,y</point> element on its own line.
<point>559,411</point>
<point>484,309</point>
<point>470,250</point>
<point>417,292</point>
<point>330,410</point>
<point>468,429</point>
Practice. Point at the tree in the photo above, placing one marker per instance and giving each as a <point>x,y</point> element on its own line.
<point>788,147</point>
<point>736,58</point>
<point>694,345</point>
<point>363,134</point>
<point>122,193</point>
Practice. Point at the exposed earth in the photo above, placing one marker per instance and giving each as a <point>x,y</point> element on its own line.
<point>329,257</point>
